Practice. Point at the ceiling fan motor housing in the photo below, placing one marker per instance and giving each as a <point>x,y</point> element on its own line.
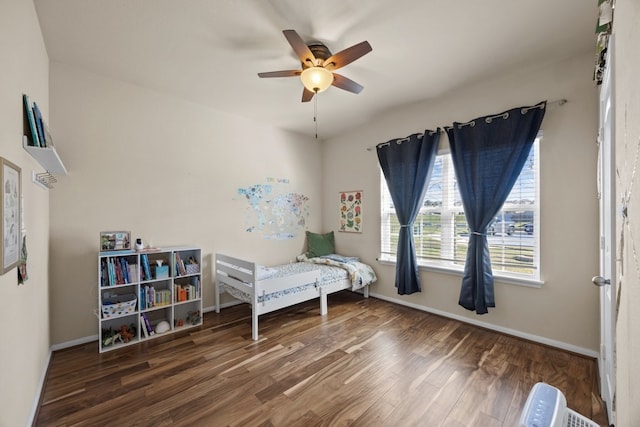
<point>320,51</point>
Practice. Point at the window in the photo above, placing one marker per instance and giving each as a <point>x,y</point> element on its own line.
<point>441,233</point>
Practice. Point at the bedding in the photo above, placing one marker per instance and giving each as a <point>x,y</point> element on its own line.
<point>360,274</point>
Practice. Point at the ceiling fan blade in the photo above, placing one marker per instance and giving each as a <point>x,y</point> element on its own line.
<point>307,95</point>
<point>300,47</point>
<point>347,56</point>
<point>284,73</point>
<point>347,84</point>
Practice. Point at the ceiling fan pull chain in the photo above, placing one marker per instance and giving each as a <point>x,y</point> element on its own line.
<point>315,113</point>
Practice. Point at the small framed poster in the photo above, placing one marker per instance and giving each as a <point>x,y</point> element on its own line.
<point>115,240</point>
<point>351,211</point>
<point>11,196</point>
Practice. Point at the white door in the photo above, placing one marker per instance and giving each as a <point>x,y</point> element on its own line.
<point>606,279</point>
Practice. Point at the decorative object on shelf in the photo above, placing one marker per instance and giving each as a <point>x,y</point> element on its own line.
<point>11,194</point>
<point>122,335</point>
<point>115,241</point>
<point>162,271</point>
<point>118,305</point>
<point>162,327</point>
<point>22,266</point>
<point>139,244</point>
<point>127,334</point>
<point>351,211</point>
<point>194,317</point>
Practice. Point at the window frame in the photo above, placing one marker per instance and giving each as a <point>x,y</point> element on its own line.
<point>450,266</point>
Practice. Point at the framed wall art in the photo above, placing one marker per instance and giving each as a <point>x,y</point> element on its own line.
<point>115,241</point>
<point>11,196</point>
<point>351,211</point>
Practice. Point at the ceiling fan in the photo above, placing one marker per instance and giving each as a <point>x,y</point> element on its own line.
<point>318,65</point>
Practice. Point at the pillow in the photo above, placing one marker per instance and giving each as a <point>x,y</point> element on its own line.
<point>319,244</point>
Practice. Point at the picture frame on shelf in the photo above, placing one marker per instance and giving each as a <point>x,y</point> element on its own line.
<point>115,241</point>
<point>11,195</point>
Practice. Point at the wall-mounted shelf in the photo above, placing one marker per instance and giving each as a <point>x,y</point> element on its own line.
<point>46,156</point>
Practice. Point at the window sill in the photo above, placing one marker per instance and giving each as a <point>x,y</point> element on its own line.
<point>502,278</point>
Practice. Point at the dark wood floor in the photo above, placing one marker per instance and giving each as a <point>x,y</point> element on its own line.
<point>368,363</point>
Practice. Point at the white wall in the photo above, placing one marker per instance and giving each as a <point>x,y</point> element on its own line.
<point>24,314</point>
<point>627,133</point>
<point>168,171</point>
<point>565,310</point>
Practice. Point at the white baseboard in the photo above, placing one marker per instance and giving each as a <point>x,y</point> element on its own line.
<point>39,389</point>
<point>75,342</point>
<point>535,338</point>
<point>224,305</point>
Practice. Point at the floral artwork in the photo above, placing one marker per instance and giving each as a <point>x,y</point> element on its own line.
<point>351,211</point>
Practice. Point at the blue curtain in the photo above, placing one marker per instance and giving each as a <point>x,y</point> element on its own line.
<point>407,164</point>
<point>488,154</point>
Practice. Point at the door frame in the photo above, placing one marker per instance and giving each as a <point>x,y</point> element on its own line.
<point>607,249</point>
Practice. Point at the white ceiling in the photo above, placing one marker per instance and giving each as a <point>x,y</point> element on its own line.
<point>210,51</point>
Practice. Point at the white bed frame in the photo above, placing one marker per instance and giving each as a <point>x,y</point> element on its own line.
<point>242,275</point>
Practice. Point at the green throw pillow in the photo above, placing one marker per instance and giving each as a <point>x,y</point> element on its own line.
<point>319,244</point>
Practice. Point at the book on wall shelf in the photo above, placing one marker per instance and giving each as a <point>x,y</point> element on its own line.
<point>39,124</point>
<point>35,140</point>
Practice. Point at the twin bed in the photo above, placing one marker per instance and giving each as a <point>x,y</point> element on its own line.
<point>268,289</point>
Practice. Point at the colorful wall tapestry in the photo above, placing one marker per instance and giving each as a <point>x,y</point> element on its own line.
<point>273,211</point>
<point>351,211</point>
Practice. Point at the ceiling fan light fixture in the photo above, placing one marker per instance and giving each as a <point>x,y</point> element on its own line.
<point>316,79</point>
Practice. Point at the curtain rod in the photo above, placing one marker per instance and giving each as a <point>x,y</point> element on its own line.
<point>556,103</point>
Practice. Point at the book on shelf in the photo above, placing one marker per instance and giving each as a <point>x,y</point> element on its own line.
<point>162,297</point>
<point>195,282</point>
<point>124,265</point>
<point>180,265</point>
<point>185,293</point>
<point>132,272</point>
<point>149,296</point>
<point>143,328</point>
<point>150,330</point>
<point>103,273</point>
<point>112,279</point>
<point>48,139</point>
<point>32,121</point>
<point>39,124</point>
<point>145,266</point>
